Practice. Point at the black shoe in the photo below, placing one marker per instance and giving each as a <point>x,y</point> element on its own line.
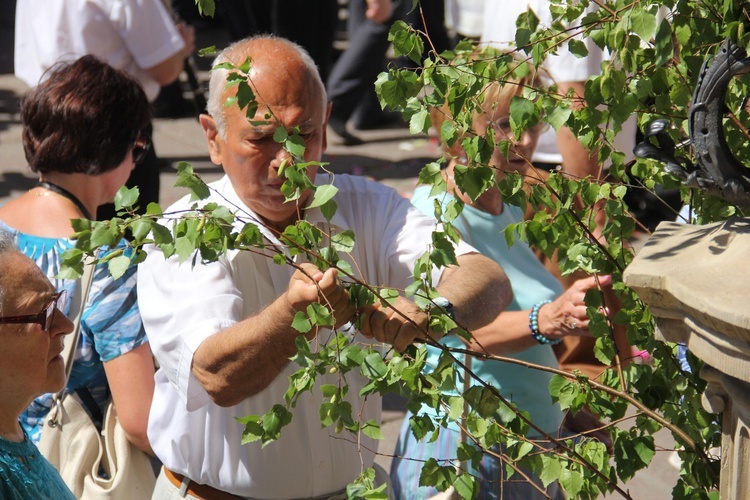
<point>344,137</point>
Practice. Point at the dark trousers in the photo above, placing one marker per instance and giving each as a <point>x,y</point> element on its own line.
<point>351,82</point>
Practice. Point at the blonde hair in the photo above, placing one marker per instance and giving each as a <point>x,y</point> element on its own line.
<point>520,74</point>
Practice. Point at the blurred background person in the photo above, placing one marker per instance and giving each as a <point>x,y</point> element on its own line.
<point>32,327</point>
<point>137,37</point>
<point>83,133</point>
<point>541,314</point>
<point>351,84</point>
<point>562,149</point>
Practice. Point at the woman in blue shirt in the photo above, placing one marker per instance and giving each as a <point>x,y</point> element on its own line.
<point>82,135</point>
<point>540,315</point>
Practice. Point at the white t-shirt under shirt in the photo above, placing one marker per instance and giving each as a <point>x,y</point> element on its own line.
<point>182,306</point>
<point>500,30</point>
<point>128,34</point>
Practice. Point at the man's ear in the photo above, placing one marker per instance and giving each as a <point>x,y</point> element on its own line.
<point>213,138</point>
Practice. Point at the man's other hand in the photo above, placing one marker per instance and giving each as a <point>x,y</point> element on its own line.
<point>309,284</point>
<point>386,325</point>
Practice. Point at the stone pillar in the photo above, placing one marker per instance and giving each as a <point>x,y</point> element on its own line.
<point>696,282</point>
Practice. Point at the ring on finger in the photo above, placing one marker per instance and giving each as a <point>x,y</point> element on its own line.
<point>573,325</point>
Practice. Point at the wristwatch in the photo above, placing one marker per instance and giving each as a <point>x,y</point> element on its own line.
<point>445,305</point>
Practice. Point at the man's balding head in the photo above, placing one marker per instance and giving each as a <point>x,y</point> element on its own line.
<point>275,62</point>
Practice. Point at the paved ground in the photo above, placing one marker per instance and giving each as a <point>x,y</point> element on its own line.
<point>391,156</point>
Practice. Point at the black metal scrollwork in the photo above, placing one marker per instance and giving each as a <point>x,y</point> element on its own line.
<point>716,169</point>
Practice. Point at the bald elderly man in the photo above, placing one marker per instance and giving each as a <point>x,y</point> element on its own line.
<point>222,331</point>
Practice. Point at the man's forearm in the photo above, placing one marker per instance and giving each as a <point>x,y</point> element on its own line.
<point>244,359</point>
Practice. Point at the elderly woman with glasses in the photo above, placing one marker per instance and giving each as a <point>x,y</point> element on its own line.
<point>540,314</point>
<point>31,331</point>
<point>82,135</point>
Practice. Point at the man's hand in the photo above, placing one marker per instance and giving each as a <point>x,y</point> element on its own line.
<point>379,11</point>
<point>309,284</point>
<point>387,325</point>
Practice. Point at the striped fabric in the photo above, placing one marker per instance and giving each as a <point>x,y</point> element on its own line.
<point>110,326</point>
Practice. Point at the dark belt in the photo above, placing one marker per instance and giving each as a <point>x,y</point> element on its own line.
<point>202,491</point>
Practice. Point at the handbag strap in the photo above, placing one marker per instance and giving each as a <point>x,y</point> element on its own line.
<point>76,313</point>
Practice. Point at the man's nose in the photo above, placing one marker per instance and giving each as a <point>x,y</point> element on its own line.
<point>281,155</point>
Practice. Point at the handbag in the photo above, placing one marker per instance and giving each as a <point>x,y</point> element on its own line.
<point>95,465</point>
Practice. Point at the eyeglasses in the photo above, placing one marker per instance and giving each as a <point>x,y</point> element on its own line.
<point>46,317</point>
<point>141,147</point>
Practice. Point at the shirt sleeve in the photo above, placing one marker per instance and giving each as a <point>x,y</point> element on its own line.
<point>111,316</point>
<point>407,235</point>
<point>182,305</point>
<point>147,30</point>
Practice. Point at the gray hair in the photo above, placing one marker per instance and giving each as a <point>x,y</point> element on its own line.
<point>7,245</point>
<point>218,80</point>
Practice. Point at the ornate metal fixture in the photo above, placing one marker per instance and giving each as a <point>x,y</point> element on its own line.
<point>716,169</point>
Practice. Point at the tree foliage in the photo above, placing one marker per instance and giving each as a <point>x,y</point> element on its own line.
<point>656,52</point>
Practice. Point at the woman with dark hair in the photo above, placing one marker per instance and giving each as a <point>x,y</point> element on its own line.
<point>83,134</point>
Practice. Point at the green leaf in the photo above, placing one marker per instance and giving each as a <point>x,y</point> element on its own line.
<point>523,114</point>
<point>188,179</point>
<point>207,51</point>
<point>558,116</point>
<point>280,134</point>
<point>604,350</point>
<point>551,469</point>
<point>643,23</point>
<point>433,474</point>
<point>253,429</point>
<point>206,7</point>
<point>323,194</point>
<point>388,295</point>
<point>162,235</point>
<point>343,241</point>
<point>126,198</point>
<point>118,266</point>
<point>319,315</point>
<point>246,99</point>
<point>395,88</point>
<point>483,400</point>
<point>328,209</point>
<point>140,229</point>
<point>578,48</point>
<point>295,145</point>
<point>372,430</point>
<point>466,486</point>
<point>374,367</point>
<point>645,449</point>
<point>301,322</point>
<point>405,41</point>
<point>273,422</point>
<point>663,44</point>
<point>420,122</point>
<point>184,248</point>
<point>105,234</point>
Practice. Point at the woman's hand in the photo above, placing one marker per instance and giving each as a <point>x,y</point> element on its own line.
<point>566,315</point>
